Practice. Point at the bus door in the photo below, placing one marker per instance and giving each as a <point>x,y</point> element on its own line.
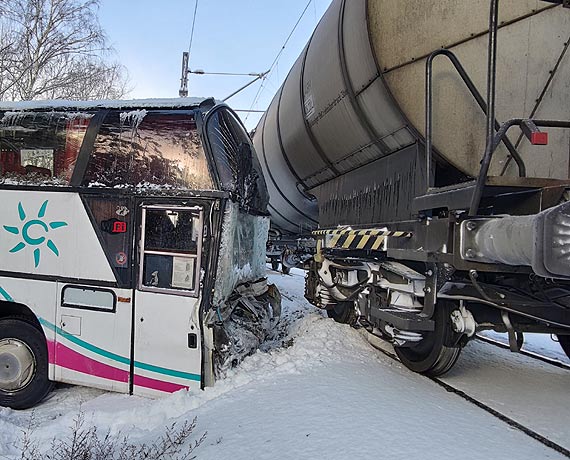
<point>167,341</point>
<point>93,336</point>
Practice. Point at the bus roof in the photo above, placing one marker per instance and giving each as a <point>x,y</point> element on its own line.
<point>62,104</point>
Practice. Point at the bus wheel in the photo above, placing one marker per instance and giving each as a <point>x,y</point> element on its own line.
<point>23,364</point>
<point>565,343</point>
<point>343,312</point>
<point>431,356</point>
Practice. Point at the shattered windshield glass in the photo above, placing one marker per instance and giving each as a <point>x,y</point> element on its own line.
<point>143,147</point>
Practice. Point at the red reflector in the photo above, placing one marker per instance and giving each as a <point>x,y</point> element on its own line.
<point>539,138</point>
<point>119,227</point>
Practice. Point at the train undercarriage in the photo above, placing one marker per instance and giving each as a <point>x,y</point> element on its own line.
<point>418,286</point>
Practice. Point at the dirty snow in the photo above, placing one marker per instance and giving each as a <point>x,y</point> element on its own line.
<point>319,390</point>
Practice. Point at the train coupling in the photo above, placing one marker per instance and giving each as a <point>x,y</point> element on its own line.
<point>541,241</point>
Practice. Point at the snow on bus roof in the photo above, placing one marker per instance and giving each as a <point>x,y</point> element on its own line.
<point>62,104</point>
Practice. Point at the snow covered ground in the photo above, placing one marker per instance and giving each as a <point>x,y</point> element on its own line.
<point>323,392</point>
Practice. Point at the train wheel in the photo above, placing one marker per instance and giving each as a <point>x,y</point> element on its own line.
<point>431,356</point>
<point>565,343</point>
<point>23,364</point>
<point>343,312</point>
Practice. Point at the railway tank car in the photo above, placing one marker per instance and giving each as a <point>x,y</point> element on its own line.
<point>426,145</point>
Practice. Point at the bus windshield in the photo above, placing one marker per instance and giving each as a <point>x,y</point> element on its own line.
<point>143,147</point>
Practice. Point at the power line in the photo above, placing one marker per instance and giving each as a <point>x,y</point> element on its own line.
<point>290,35</point>
<point>247,110</point>
<point>260,89</point>
<point>193,25</point>
<point>183,91</point>
<point>227,74</point>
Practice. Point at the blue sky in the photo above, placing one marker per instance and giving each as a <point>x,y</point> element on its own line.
<point>230,36</point>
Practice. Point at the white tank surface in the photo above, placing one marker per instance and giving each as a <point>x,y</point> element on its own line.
<point>357,93</point>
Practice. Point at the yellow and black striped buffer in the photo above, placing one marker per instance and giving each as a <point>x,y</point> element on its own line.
<point>370,239</point>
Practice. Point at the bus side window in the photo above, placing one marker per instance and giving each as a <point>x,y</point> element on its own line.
<point>171,256</point>
<point>40,147</point>
<point>158,231</point>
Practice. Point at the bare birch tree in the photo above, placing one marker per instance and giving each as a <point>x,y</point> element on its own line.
<point>56,49</point>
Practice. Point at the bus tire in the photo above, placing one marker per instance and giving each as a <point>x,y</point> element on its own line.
<point>23,364</point>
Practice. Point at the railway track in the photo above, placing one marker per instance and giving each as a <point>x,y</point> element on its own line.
<point>530,354</point>
<point>385,349</point>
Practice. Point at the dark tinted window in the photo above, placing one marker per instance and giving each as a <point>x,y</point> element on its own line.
<point>236,163</point>
<point>171,230</point>
<point>39,147</point>
<point>149,148</point>
<point>171,249</point>
<point>113,219</point>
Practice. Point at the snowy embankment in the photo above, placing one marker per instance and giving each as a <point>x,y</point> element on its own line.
<point>318,391</point>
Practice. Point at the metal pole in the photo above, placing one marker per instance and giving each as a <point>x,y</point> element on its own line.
<point>183,91</point>
<point>259,77</point>
<point>474,92</point>
<point>491,89</point>
<point>428,120</point>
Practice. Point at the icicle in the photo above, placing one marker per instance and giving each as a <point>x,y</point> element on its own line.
<point>133,118</point>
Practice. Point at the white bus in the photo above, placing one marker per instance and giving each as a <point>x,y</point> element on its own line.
<point>132,246</point>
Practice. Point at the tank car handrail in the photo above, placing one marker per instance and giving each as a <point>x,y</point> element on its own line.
<point>478,98</point>
<point>499,136</point>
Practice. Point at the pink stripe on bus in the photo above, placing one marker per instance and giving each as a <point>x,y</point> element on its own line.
<point>51,351</point>
<point>70,359</point>
<point>65,357</point>
<point>157,384</point>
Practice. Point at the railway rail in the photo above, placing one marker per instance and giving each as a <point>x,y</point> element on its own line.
<point>386,349</point>
<point>530,354</point>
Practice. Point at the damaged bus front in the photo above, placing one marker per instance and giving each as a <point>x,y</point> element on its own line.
<point>132,246</point>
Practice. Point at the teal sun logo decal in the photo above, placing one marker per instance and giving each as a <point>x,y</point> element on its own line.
<point>35,232</point>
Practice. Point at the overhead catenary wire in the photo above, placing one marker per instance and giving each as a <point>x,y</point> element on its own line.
<point>278,56</point>
<point>193,27</point>
<point>202,72</point>
<point>225,74</point>
<point>183,91</point>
